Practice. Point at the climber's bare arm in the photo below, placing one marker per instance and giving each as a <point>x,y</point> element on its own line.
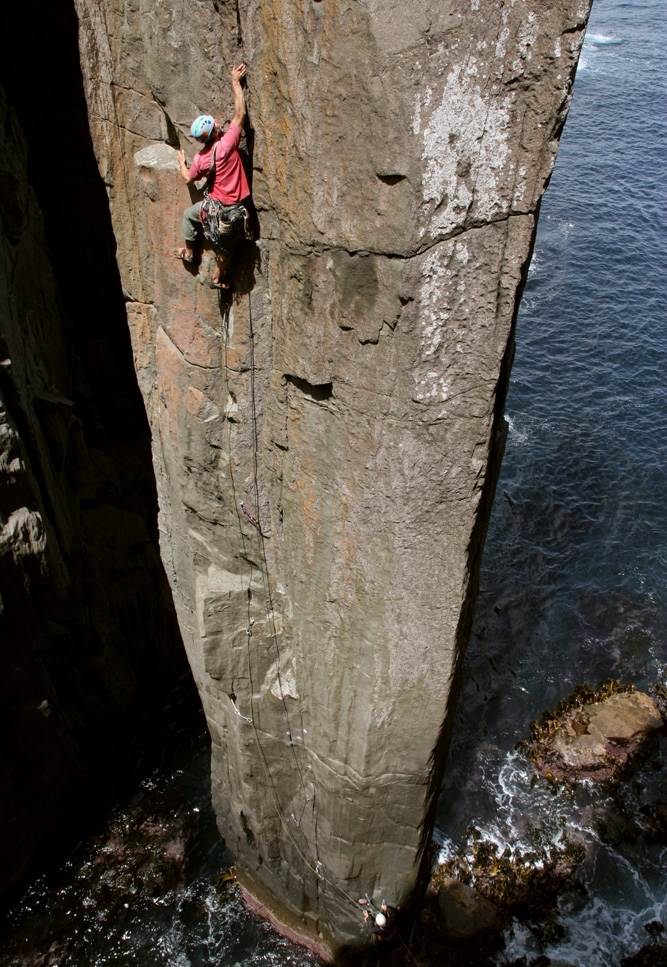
<point>184,168</point>
<point>239,97</point>
<point>239,117</point>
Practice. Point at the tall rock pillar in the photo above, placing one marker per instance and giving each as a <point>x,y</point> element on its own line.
<point>350,394</point>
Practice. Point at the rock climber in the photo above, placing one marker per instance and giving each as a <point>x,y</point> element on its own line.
<point>223,213</point>
<point>382,922</point>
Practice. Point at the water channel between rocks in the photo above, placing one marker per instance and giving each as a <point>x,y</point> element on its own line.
<point>573,587</point>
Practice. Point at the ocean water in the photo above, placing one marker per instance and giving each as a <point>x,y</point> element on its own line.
<point>145,889</point>
<point>574,581</point>
<point>574,578</point>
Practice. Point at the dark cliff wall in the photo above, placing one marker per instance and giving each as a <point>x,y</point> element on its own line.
<point>90,653</point>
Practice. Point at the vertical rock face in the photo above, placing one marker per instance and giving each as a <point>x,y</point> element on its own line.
<point>350,394</point>
<point>89,645</point>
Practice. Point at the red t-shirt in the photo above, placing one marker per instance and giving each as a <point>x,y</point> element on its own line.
<point>231,184</point>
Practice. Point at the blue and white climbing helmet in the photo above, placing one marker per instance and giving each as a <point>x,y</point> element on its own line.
<point>202,127</point>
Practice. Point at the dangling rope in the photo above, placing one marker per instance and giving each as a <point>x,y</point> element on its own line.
<point>315,866</point>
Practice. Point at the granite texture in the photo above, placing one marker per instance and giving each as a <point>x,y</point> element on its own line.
<point>350,393</point>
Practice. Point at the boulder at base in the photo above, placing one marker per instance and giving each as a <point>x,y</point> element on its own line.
<point>597,740</point>
<point>651,955</point>
<point>462,913</point>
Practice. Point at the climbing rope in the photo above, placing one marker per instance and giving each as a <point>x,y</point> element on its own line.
<point>313,864</point>
<point>316,867</point>
<point>262,546</point>
<point>408,951</point>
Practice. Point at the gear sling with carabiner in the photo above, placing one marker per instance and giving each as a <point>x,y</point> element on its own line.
<point>222,224</point>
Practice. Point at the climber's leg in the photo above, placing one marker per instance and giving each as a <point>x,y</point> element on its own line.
<point>222,260</point>
<point>225,252</point>
<point>190,226</point>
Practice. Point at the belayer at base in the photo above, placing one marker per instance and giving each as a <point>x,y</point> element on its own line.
<point>381,923</point>
<point>222,216</point>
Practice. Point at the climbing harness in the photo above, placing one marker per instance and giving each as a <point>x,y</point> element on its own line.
<point>221,222</point>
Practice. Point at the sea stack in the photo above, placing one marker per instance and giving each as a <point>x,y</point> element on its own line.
<point>349,393</point>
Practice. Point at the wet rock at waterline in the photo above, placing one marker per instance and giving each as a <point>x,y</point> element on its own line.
<point>559,826</point>
<point>597,740</point>
<point>594,735</point>
<point>652,955</point>
<point>515,880</point>
<point>462,913</point>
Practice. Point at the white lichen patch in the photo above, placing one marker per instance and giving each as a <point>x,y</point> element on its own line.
<point>283,685</point>
<point>527,37</point>
<point>465,150</point>
<point>431,385</point>
<point>501,43</point>
<point>417,117</point>
<point>461,252</point>
<point>521,184</point>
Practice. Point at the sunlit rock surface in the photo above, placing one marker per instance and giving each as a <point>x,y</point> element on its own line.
<point>597,738</point>
<point>350,394</point>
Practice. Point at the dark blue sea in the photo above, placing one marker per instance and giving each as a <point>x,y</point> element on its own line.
<point>573,586</point>
<point>574,577</point>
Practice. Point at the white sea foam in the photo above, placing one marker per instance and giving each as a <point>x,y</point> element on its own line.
<point>600,40</point>
<point>448,848</point>
<point>533,822</point>
<point>517,435</point>
<point>598,935</point>
<point>536,264</point>
<point>592,49</point>
<point>536,822</point>
<point>529,820</point>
